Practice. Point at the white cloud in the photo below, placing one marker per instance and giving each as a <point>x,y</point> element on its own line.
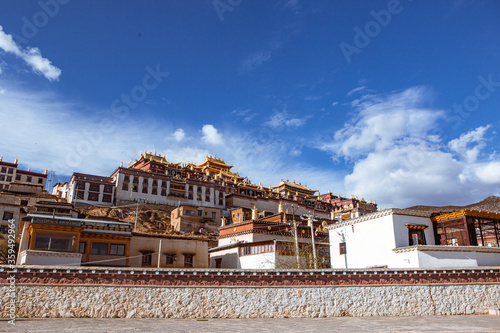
<point>399,159</point>
<point>462,145</point>
<point>32,56</point>
<point>245,113</point>
<point>489,173</point>
<point>356,90</point>
<point>382,122</point>
<point>282,119</point>
<point>179,135</point>
<point>211,135</point>
<point>312,98</point>
<point>254,60</point>
<point>335,103</point>
<point>45,131</point>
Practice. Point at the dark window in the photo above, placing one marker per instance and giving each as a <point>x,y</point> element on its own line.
<point>10,171</point>
<point>18,177</point>
<point>146,259</point>
<point>134,188</point>
<point>4,169</point>
<point>28,179</point>
<point>93,197</point>
<point>154,191</point>
<point>170,258</point>
<point>80,186</point>
<point>213,214</point>
<point>342,248</point>
<point>81,247</point>
<point>126,179</point>
<point>8,215</point>
<point>9,178</point>
<point>106,198</point>
<point>24,203</point>
<point>199,213</point>
<point>188,212</point>
<point>188,260</point>
<point>125,186</point>
<point>218,263</point>
<point>416,237</point>
<point>117,249</point>
<point>1,186</point>
<point>2,178</point>
<point>80,195</point>
<point>94,187</point>
<point>99,248</point>
<point>145,189</point>
<point>54,242</point>
<point>108,189</point>
<point>40,180</point>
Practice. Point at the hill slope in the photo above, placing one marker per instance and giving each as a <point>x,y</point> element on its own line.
<point>490,204</point>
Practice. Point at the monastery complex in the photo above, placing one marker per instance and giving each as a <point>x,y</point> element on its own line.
<point>211,184</point>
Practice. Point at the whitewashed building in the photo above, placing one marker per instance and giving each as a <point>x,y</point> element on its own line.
<point>401,238</point>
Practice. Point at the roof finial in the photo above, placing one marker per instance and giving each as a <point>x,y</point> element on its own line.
<point>29,169</point>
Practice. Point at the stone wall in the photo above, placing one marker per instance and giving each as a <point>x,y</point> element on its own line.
<point>108,292</point>
<point>35,301</point>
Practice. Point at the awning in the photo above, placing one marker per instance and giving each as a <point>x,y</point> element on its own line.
<point>417,226</point>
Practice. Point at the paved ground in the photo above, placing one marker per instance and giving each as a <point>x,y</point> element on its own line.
<point>482,323</point>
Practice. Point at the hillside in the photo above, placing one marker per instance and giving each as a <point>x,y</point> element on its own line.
<point>150,219</point>
<point>490,204</point>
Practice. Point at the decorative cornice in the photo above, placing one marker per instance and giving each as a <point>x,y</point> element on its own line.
<point>51,254</point>
<point>449,248</point>
<point>375,215</point>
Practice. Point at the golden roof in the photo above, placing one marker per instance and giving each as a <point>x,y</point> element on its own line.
<point>467,212</point>
<point>214,160</point>
<point>156,158</point>
<point>294,185</point>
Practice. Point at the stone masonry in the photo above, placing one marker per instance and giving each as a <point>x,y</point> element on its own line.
<point>53,301</point>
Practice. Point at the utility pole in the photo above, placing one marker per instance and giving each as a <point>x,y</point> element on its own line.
<point>159,254</point>
<point>136,213</point>
<point>296,236</point>
<point>310,220</point>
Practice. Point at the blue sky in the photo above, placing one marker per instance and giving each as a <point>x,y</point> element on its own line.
<point>395,101</point>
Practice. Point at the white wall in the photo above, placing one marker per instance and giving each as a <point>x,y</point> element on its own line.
<point>370,243</point>
<point>258,261</point>
<point>229,258</point>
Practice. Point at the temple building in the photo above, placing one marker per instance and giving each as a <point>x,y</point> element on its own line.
<point>164,251</point>
<point>63,240</point>
<point>212,184</point>
<point>269,243</point>
<point>195,219</point>
<point>406,238</point>
<point>9,173</point>
<point>20,190</point>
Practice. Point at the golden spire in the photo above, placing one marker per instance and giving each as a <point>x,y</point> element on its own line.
<point>1,158</point>
<point>29,169</point>
<point>15,161</point>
